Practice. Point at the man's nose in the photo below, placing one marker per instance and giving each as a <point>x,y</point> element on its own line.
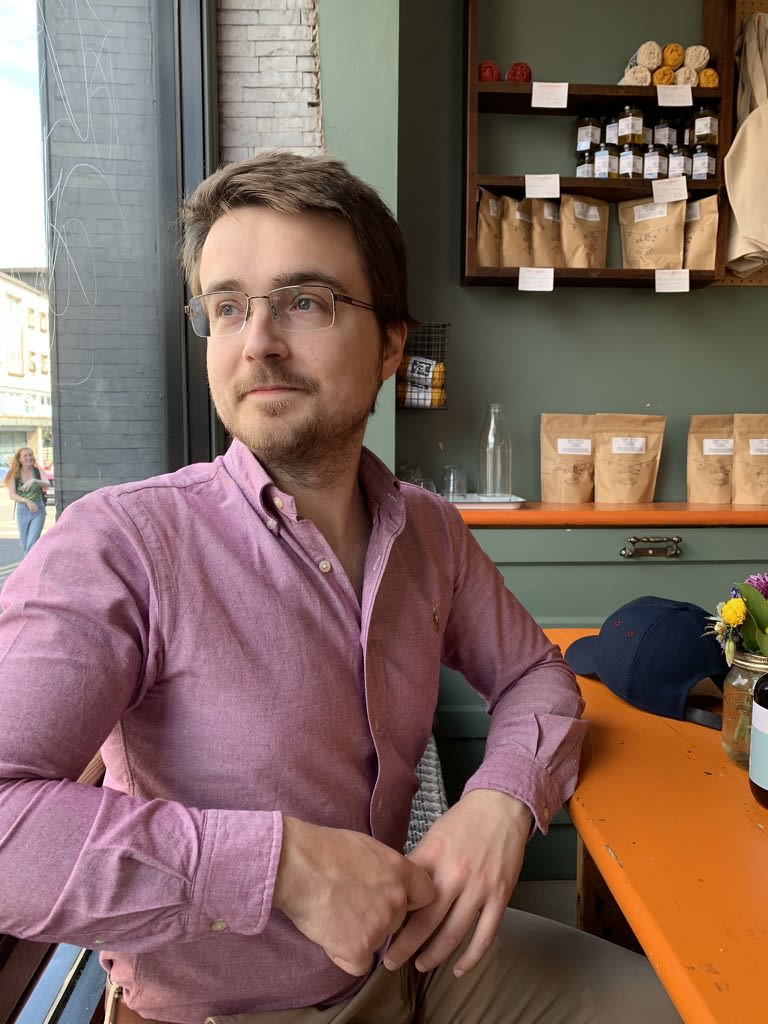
<point>262,335</point>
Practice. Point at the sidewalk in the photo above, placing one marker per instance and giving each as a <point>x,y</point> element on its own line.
<point>10,551</point>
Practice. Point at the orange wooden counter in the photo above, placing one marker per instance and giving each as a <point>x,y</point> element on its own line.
<point>656,513</point>
<point>672,827</point>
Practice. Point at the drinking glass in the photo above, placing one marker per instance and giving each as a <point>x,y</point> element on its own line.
<point>454,483</point>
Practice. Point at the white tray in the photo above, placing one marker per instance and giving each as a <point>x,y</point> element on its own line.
<point>475,501</point>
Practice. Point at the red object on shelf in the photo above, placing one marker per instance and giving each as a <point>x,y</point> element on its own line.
<point>489,71</point>
<point>519,72</point>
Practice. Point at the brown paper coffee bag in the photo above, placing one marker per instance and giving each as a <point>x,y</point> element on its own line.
<point>700,234</point>
<point>583,231</point>
<point>652,234</point>
<point>750,459</point>
<point>710,459</point>
<point>545,234</point>
<point>567,462</point>
<point>627,454</point>
<point>488,229</point>
<point>516,227</point>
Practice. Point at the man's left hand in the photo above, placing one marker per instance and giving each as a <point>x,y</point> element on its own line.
<point>473,853</point>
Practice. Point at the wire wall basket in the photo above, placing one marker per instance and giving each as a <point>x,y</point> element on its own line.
<point>421,374</point>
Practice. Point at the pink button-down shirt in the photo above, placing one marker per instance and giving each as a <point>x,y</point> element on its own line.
<point>206,637</point>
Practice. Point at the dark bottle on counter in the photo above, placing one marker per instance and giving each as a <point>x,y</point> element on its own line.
<point>758,744</point>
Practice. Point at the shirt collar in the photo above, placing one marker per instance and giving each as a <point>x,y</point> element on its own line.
<point>381,487</point>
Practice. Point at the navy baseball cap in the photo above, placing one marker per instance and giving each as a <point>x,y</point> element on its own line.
<point>651,652</point>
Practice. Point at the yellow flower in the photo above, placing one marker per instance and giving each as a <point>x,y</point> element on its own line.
<point>734,612</point>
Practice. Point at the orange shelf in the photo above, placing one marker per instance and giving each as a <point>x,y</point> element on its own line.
<point>658,513</point>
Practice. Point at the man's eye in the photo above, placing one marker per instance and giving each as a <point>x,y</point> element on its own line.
<point>227,309</point>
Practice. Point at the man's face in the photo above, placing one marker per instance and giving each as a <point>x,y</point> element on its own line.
<point>293,398</point>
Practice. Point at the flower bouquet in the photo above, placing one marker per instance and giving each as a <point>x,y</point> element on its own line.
<point>741,622</point>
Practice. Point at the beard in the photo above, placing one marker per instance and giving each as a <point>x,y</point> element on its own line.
<point>312,450</point>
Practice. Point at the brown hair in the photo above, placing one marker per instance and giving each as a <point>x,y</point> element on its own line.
<point>290,183</point>
<point>14,468</point>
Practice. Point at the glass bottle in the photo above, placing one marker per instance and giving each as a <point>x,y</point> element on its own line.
<point>705,126</point>
<point>631,126</point>
<point>494,455</point>
<point>703,162</point>
<point>631,161</point>
<point>655,161</point>
<point>664,132</point>
<point>585,164</point>
<point>587,133</point>
<point>611,130</point>
<point>746,669</point>
<point>680,164</point>
<point>758,747</point>
<point>607,161</point>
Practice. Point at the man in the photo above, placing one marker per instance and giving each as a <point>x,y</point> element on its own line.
<point>255,646</point>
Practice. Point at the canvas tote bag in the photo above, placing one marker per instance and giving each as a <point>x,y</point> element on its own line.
<point>745,162</point>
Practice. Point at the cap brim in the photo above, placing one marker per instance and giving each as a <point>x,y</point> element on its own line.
<point>581,655</point>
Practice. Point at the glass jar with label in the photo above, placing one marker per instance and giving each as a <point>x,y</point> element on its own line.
<point>704,125</point>
<point>631,161</point>
<point>655,162</point>
<point>679,163</point>
<point>703,162</point>
<point>607,161</point>
<point>630,126</point>
<point>587,133</point>
<point>611,130</point>
<point>585,164</point>
<point>665,133</point>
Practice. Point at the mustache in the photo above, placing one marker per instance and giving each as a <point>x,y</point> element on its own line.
<point>277,379</point>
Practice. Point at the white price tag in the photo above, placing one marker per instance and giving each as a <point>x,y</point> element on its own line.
<point>673,281</point>
<point>536,279</point>
<point>542,186</point>
<point>549,94</point>
<point>669,190</point>
<point>674,96</point>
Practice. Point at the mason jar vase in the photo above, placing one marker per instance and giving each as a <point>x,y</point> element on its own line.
<point>738,685</point>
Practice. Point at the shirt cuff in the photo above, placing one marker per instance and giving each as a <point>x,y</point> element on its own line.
<point>235,879</point>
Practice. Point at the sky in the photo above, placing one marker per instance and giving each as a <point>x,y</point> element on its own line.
<point>22,195</point>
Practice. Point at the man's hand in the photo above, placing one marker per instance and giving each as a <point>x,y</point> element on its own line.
<point>346,891</point>
<point>473,853</point>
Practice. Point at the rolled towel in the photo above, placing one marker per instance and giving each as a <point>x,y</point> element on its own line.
<point>519,72</point>
<point>489,71</point>
<point>696,57</point>
<point>672,56</point>
<point>686,76</point>
<point>646,56</point>
<point>663,76</point>
<point>709,78</point>
<point>636,76</point>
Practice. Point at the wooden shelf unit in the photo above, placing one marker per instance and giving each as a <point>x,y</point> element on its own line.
<point>511,98</point>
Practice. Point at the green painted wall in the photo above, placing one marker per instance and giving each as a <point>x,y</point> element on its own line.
<point>577,349</point>
<point>358,42</point>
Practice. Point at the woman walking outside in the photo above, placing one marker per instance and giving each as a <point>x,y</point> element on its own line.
<point>27,486</point>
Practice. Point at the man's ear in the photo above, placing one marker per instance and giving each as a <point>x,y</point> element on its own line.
<point>394,343</point>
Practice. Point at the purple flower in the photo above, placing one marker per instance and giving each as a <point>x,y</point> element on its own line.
<point>759,581</point>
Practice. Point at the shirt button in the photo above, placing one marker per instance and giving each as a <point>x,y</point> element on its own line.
<point>218,926</point>
<point>324,565</point>
<point>278,502</point>
<point>271,524</point>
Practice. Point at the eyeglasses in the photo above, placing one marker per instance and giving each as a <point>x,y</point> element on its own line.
<point>297,307</point>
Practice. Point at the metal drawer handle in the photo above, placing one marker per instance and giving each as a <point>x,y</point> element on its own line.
<point>652,547</point>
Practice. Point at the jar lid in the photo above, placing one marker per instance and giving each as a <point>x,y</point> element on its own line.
<point>751,661</point>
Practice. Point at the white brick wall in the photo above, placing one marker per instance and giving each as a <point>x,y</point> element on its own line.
<point>269,80</point>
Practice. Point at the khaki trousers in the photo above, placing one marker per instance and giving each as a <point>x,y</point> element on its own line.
<point>537,972</point>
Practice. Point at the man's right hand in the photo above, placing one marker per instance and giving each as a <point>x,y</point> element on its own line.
<point>346,891</point>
